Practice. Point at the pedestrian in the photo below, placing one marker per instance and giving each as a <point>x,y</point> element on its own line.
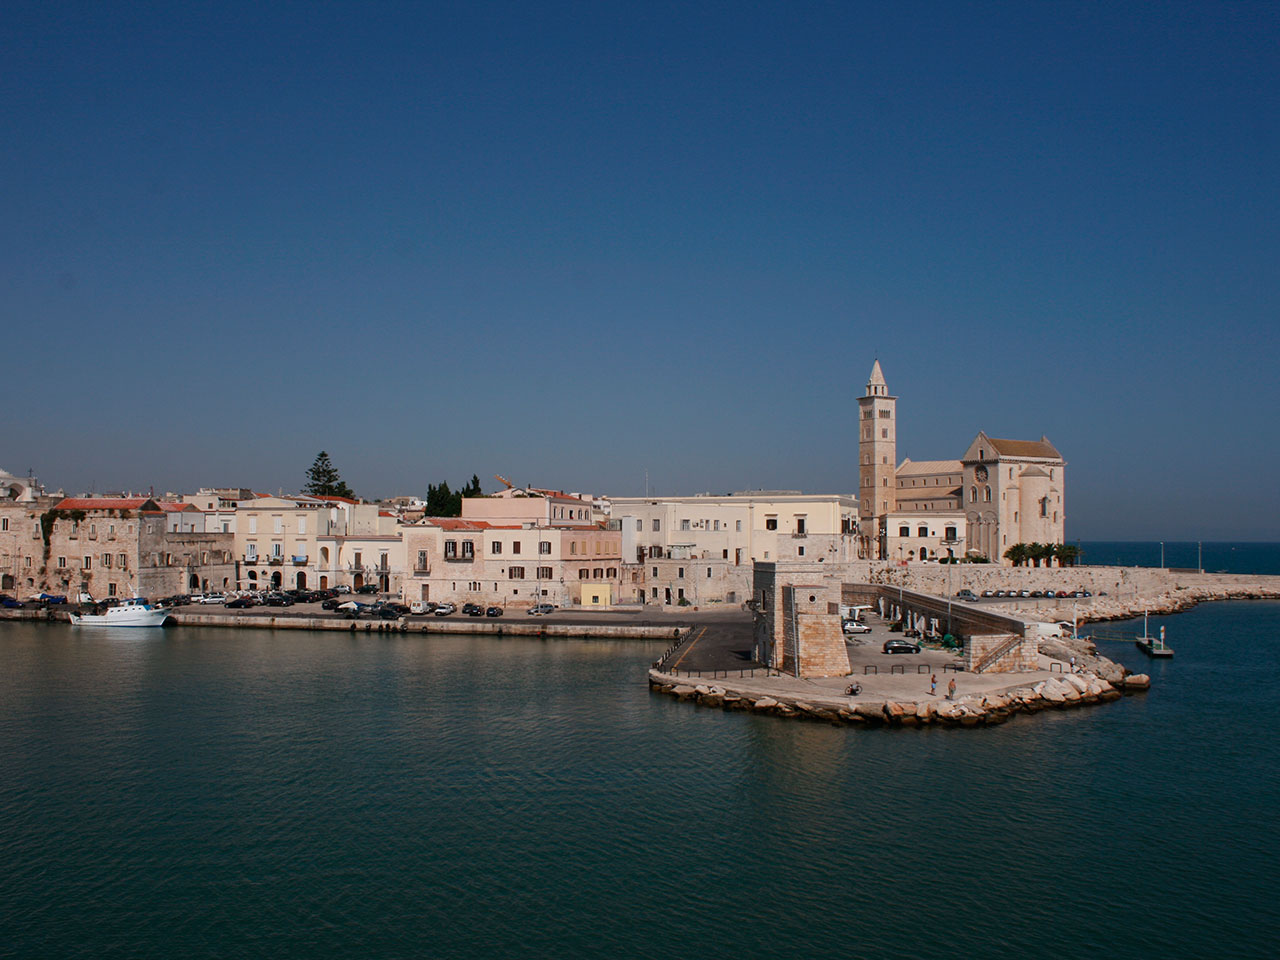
<point>951,689</point>
<point>1073,663</point>
<point>933,685</point>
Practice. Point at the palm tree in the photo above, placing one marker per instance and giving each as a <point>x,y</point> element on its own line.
<point>1035,551</point>
<point>1050,551</point>
<point>1017,554</point>
<point>1068,554</point>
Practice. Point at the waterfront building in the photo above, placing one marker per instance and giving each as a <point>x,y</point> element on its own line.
<point>515,548</point>
<point>999,493</point>
<point>108,547</point>
<point>305,542</point>
<point>700,549</point>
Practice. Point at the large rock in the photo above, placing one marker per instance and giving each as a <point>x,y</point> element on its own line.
<point>684,691</point>
<point>1137,681</point>
<point>765,703</point>
<point>873,712</point>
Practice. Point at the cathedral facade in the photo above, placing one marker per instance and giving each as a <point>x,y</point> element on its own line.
<point>999,493</point>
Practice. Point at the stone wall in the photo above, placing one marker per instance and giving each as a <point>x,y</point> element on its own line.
<point>812,643</point>
<point>1021,657</point>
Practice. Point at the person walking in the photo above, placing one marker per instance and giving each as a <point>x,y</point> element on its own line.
<point>951,689</point>
<point>933,685</point>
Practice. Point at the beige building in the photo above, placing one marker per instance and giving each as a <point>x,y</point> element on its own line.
<point>700,549</point>
<point>316,543</point>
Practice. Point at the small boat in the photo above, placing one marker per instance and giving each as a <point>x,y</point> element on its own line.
<point>128,613</point>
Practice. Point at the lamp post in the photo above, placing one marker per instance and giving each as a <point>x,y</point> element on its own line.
<point>1161,554</point>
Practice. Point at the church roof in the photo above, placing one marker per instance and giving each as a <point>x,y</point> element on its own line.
<point>877,375</point>
<point>910,468</point>
<point>1034,471</point>
<point>927,493</point>
<point>1026,448</point>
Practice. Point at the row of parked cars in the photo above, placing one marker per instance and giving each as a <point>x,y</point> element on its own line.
<point>1036,594</point>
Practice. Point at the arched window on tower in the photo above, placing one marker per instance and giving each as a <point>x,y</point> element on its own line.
<point>986,494</point>
<point>973,494</point>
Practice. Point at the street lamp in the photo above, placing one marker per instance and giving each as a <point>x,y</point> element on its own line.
<point>1161,554</point>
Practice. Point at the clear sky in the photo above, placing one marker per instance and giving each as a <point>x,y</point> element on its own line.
<point>570,243</point>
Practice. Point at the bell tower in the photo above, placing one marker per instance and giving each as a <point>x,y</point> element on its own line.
<point>877,462</point>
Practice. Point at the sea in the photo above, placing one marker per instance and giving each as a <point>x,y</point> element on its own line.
<point>195,792</point>
<point>1212,557</point>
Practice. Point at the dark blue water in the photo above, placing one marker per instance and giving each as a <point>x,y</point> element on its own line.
<point>249,794</point>
<point>1218,557</point>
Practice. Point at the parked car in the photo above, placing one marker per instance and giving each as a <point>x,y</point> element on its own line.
<point>472,609</point>
<point>368,588</point>
<point>1051,594</point>
<point>855,626</point>
<point>542,609</point>
<point>493,612</point>
<point>402,610</point>
<point>967,595</point>
<point>422,606</point>
<point>988,593</point>
<point>241,603</point>
<point>52,598</point>
<point>277,600</point>
<point>900,646</point>
<point>383,611</point>
<point>445,609</point>
<point>1024,593</point>
<point>331,604</point>
<point>342,588</point>
<point>213,598</point>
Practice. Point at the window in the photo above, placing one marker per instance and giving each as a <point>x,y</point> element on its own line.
<point>597,573</point>
<point>106,560</point>
<point>515,573</point>
<point>253,524</point>
<point>277,551</point>
<point>973,494</point>
<point>738,526</point>
<point>771,523</point>
<point>111,589</point>
<point>904,531</point>
<point>708,573</point>
<point>250,552</point>
<point>724,554</point>
<point>800,525</point>
<point>583,573</point>
<point>451,549</point>
<point>655,573</point>
<point>495,548</point>
<point>799,551</point>
<point>884,434</point>
<point>639,526</point>
<point>123,560</point>
<point>422,560</point>
<point>949,533</point>
<point>278,524</point>
<point>1044,506</point>
<point>468,550</point>
<point>717,527</point>
<point>680,575</point>
<point>88,563</point>
<point>4,524</point>
<point>613,573</point>
<point>885,415</point>
<point>922,532</point>
<point>684,524</point>
<point>544,573</point>
<point>573,548</point>
<point>657,525</point>
<point>302,525</point>
<point>515,547</point>
<point>62,562</point>
<point>986,494</point>
<point>544,547</point>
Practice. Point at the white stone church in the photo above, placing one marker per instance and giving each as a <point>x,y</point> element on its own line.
<point>999,493</point>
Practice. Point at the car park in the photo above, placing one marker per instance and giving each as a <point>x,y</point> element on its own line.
<point>493,612</point>
<point>900,646</point>
<point>854,626</point>
<point>542,609</point>
<point>445,609</point>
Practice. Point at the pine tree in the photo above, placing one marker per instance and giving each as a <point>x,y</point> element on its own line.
<point>323,479</point>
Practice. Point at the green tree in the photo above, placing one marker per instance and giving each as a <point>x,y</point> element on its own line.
<point>1017,554</point>
<point>323,479</point>
<point>443,502</point>
<point>1068,554</point>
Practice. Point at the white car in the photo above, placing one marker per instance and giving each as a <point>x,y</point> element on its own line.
<point>855,626</point>
<point>213,598</point>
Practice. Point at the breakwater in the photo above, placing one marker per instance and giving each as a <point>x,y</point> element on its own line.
<point>1062,691</point>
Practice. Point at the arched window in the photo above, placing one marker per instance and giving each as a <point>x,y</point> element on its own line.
<point>1044,506</point>
<point>986,494</point>
<point>973,494</point>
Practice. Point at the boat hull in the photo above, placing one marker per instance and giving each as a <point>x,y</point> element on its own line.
<point>131,618</point>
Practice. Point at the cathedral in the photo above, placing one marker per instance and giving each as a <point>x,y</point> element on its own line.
<point>999,493</point>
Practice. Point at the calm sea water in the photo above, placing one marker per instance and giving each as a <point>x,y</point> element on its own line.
<point>1218,557</point>
<point>247,794</point>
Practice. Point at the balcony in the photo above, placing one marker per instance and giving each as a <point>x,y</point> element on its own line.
<point>422,571</point>
<point>799,536</point>
<point>298,560</point>
<point>275,561</point>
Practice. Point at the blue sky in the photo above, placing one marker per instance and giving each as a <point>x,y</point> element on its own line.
<point>572,243</point>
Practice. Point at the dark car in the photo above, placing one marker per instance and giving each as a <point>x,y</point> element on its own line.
<point>240,603</point>
<point>401,609</point>
<point>277,600</point>
<point>900,646</point>
<point>493,612</point>
<point>470,609</point>
<point>330,604</point>
<point>384,611</point>
<point>368,588</point>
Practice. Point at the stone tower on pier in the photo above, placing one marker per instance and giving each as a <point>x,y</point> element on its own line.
<point>877,463</point>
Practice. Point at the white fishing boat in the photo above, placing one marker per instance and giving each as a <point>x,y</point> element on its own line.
<point>128,613</point>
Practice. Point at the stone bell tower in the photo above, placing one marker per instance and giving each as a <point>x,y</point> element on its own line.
<point>877,462</point>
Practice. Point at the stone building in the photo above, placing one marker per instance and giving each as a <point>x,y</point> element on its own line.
<point>108,547</point>
<point>999,493</point>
